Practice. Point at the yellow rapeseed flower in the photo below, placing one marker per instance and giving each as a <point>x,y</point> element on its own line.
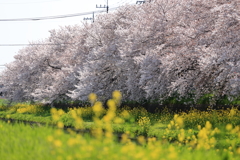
<point>203,133</point>
<point>118,120</point>
<point>199,127</point>
<point>181,136</point>
<point>179,121</point>
<point>238,150</point>
<point>71,141</point>
<point>124,138</point>
<point>73,114</point>
<point>97,132</point>
<point>125,114</point>
<point>53,110</point>
<point>97,107</point>
<point>232,112</point>
<point>229,127</point>
<point>111,104</point>
<point>92,98</point>
<point>57,143</point>
<point>208,125</point>
<point>212,141</point>
<point>50,138</point>
<point>141,139</point>
<point>59,132</point>
<point>61,112</point>
<point>117,95</point>
<point>60,124</point>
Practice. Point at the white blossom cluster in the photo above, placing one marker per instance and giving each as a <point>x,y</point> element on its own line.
<point>149,51</point>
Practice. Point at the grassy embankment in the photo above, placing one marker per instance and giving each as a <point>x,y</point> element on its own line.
<point>196,134</point>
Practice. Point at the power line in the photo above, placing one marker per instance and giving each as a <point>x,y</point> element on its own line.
<point>30,2</point>
<point>33,44</point>
<point>52,17</point>
<point>55,17</point>
<point>122,2</point>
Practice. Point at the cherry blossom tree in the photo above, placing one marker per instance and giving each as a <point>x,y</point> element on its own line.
<point>46,72</point>
<point>151,51</point>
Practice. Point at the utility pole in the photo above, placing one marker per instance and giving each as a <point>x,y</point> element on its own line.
<point>140,2</point>
<point>107,7</point>
<point>88,18</point>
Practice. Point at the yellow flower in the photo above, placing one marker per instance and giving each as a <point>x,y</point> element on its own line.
<point>71,142</point>
<point>179,121</point>
<point>60,124</point>
<point>229,127</point>
<point>125,114</point>
<point>117,95</point>
<point>50,138</point>
<point>92,98</point>
<point>124,138</point>
<point>203,134</point>
<point>238,150</point>
<point>118,120</point>
<point>53,110</point>
<point>144,122</point>
<point>111,104</point>
<point>181,136</point>
<point>61,112</point>
<point>141,140</point>
<point>199,127</point>
<point>97,108</point>
<point>208,125</point>
<point>232,112</point>
<point>212,141</point>
<point>57,143</point>
<point>190,131</point>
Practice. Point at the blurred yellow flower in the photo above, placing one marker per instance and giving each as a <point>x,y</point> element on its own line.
<point>92,98</point>
<point>229,127</point>
<point>57,143</point>
<point>60,124</point>
<point>97,107</point>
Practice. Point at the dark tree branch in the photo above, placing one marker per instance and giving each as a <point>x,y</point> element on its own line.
<point>54,67</point>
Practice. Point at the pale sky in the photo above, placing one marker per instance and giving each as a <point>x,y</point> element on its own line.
<point>23,32</point>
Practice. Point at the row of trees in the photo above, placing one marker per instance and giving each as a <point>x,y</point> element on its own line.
<point>154,50</point>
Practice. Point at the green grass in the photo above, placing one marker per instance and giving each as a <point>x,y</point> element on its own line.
<point>20,142</point>
<point>209,134</point>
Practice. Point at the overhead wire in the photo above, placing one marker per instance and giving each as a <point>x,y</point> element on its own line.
<point>66,16</point>
<point>51,17</point>
<point>55,17</point>
<point>34,44</point>
<point>29,2</point>
<point>122,2</point>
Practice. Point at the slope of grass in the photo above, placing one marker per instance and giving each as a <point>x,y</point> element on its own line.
<point>21,142</point>
<point>210,134</point>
